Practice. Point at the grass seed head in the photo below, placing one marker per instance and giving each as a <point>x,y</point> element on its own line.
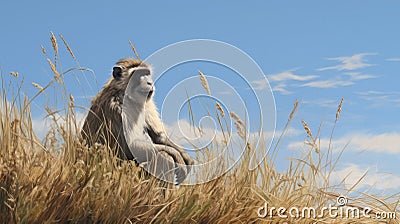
<point>240,125</point>
<point>54,69</point>
<point>339,109</point>
<point>41,89</point>
<point>15,74</point>
<point>43,49</point>
<point>68,47</point>
<point>204,83</point>
<point>220,109</point>
<point>296,104</point>
<point>307,129</point>
<point>54,42</point>
<point>71,97</point>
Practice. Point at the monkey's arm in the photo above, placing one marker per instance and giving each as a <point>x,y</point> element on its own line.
<point>161,138</point>
<point>157,134</point>
<point>158,159</point>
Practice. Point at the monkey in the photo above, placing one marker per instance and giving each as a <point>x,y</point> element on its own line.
<point>145,140</point>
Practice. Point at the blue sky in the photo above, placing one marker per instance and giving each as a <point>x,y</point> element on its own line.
<point>317,52</point>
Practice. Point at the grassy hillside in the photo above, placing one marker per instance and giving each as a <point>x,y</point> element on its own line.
<point>59,179</point>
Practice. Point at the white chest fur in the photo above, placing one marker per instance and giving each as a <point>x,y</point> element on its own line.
<point>134,125</point>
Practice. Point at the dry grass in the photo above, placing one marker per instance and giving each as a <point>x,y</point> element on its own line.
<point>61,180</point>
<point>204,82</point>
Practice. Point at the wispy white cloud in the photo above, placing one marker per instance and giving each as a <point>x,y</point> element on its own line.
<point>289,75</point>
<point>379,98</point>
<point>290,132</point>
<point>346,79</point>
<point>281,88</point>
<point>352,173</point>
<point>373,92</point>
<point>260,84</point>
<point>186,134</point>
<point>283,82</point>
<point>353,62</point>
<point>393,59</point>
<point>280,81</point>
<point>328,103</point>
<point>323,84</point>
<point>41,125</point>
<point>381,143</point>
<point>356,76</point>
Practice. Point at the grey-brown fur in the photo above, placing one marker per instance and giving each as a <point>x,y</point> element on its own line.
<point>104,122</point>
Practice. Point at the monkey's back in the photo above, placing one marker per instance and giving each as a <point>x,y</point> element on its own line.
<point>103,123</point>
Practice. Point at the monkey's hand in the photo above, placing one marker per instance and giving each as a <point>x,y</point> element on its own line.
<point>182,169</point>
<point>188,161</point>
<point>173,169</point>
<point>162,161</point>
<point>162,139</point>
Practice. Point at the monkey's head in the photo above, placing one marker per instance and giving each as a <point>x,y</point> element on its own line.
<point>135,73</point>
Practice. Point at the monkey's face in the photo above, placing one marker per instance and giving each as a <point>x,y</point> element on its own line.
<point>144,80</point>
<point>139,79</point>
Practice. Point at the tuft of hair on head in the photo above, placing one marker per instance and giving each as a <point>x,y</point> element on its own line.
<point>129,62</point>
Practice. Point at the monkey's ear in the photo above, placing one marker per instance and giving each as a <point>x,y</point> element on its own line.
<point>117,72</point>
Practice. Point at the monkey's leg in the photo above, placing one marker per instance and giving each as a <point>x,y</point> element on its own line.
<point>163,167</point>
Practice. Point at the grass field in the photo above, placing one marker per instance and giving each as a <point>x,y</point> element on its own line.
<point>59,179</point>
